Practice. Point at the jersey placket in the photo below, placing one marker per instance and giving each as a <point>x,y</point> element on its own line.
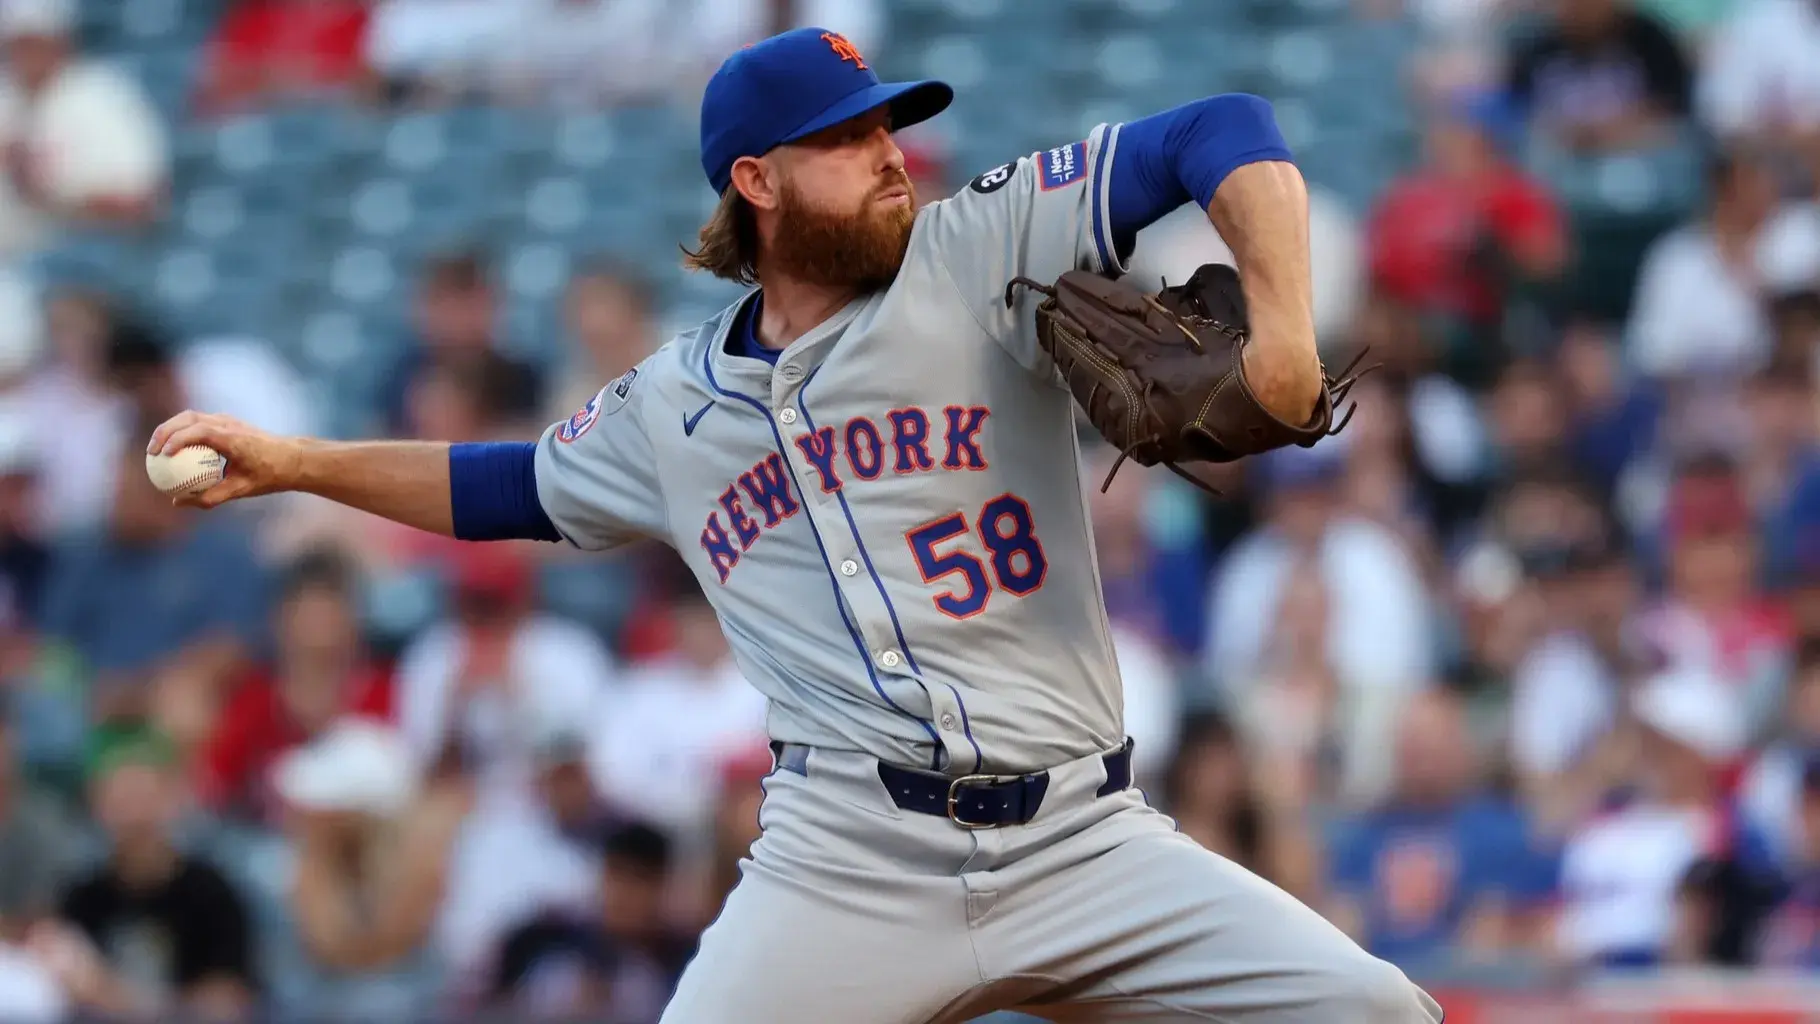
<point>855,572</point>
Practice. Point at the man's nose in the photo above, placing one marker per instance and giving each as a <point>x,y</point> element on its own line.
<point>893,156</point>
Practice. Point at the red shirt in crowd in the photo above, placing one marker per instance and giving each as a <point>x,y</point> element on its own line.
<point>1425,231</point>
<point>284,47</point>
<point>255,729</point>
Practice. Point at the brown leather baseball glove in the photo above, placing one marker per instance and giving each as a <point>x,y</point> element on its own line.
<point>1160,375</point>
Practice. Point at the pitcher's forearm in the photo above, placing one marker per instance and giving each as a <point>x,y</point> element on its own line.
<point>1261,211</point>
<point>404,481</point>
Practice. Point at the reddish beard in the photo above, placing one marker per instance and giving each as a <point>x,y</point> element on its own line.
<point>861,250</point>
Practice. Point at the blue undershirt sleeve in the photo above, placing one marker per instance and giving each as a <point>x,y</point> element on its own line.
<point>493,493</point>
<point>1182,155</point>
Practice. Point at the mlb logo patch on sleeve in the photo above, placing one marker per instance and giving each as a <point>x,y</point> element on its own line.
<point>1064,165</point>
<point>606,402</point>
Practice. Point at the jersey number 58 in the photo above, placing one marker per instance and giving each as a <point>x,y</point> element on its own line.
<point>1008,534</point>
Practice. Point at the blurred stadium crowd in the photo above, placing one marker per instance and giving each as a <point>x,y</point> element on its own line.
<point>1518,679</point>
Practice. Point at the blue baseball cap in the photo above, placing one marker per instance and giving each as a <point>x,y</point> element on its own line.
<point>795,84</point>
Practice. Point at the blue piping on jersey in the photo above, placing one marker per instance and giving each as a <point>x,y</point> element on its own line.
<point>859,644</point>
<point>802,402</point>
<point>1096,182</point>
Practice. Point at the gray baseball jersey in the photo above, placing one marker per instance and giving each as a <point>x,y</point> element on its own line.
<point>891,522</point>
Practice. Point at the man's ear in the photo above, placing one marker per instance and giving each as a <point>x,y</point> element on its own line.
<point>756,179</point>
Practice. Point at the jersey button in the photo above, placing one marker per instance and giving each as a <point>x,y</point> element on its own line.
<point>849,567</point>
<point>948,721</point>
<point>889,659</point>
<point>787,417</point>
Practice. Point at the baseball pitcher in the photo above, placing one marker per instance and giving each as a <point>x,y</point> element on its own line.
<point>870,462</point>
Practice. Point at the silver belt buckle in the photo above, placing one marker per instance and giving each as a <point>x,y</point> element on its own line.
<point>954,791</point>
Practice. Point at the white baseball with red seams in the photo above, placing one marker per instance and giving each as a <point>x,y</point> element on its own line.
<point>190,470</point>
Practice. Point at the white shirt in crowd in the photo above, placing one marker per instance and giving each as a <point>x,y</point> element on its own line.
<point>656,753</point>
<point>1694,314</point>
<point>587,50</point>
<point>1770,793</point>
<point>1619,875</point>
<point>1174,247</point>
<point>29,989</point>
<point>1563,697</point>
<point>92,134</point>
<point>1380,634</point>
<point>508,864</point>
<point>558,672</point>
<point>1762,70</point>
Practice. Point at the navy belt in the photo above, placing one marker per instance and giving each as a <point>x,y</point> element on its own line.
<point>988,801</point>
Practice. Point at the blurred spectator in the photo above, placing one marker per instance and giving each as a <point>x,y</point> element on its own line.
<point>457,326</point>
<point>585,52</point>
<point>162,606</point>
<point>1379,641</point>
<point>1542,511</point>
<point>1386,479</point>
<point>1240,806</point>
<point>25,555</point>
<point>1527,413</point>
<point>318,672</point>
<point>267,51</point>
<point>110,366</point>
<point>1781,463</point>
<point>1614,412</point>
<point>656,748</point>
<point>168,934</point>
<point>1760,78</point>
<point>454,403</point>
<point>1170,250</point>
<point>1713,614</point>
<point>610,314</point>
<point>1790,937</point>
<point>1770,787</point>
<point>1441,867</point>
<point>1699,302</point>
<point>1601,76</point>
<point>488,691</point>
<point>82,144</point>
<point>436,49</point>
<point>1568,692</point>
<point>1139,585</point>
<point>373,840</point>
<point>739,792</point>
<point>619,966</point>
<point>481,684</point>
<point>1290,715</point>
<point>1153,555</point>
<point>77,416</point>
<point>39,846</point>
<point>594,53</point>
<point>616,51</point>
<point>1453,237</point>
<point>1627,875</point>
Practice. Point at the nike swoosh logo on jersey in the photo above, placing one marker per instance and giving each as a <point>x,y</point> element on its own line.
<point>689,422</point>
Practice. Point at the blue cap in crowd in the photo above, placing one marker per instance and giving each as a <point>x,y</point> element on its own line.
<point>793,85</point>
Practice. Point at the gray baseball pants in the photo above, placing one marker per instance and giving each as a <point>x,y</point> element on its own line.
<point>851,911</point>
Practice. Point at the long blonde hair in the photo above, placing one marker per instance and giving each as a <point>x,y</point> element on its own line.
<point>729,242</point>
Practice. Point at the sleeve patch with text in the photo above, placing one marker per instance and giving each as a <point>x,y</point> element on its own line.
<point>1064,165</point>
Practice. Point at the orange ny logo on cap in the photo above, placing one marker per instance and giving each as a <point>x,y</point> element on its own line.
<point>844,49</point>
